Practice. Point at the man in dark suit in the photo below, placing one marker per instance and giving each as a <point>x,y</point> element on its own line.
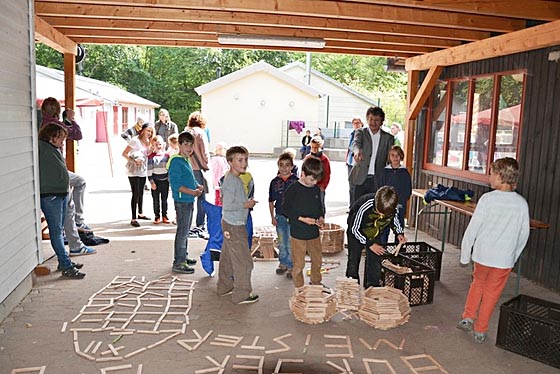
<point>371,151</point>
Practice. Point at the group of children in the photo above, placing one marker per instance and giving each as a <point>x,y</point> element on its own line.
<point>297,210</point>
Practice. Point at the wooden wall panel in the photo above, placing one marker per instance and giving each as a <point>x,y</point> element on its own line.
<point>539,159</point>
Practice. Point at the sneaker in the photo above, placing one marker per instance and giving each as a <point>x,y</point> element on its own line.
<point>165,219</point>
<point>82,251</point>
<point>134,223</point>
<point>141,216</point>
<point>250,300</point>
<point>480,337</point>
<point>281,269</point>
<point>84,228</point>
<point>157,221</point>
<point>289,273</point>
<point>73,273</point>
<point>190,261</point>
<point>203,235</point>
<point>74,265</point>
<point>183,269</point>
<point>465,324</point>
<point>227,293</point>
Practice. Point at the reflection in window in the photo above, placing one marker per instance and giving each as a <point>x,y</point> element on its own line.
<point>456,145</point>
<point>437,125</point>
<point>481,123</point>
<point>509,115</point>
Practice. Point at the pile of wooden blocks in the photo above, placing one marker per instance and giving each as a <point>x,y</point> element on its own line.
<point>313,304</point>
<point>384,308</point>
<point>348,296</point>
<point>263,246</point>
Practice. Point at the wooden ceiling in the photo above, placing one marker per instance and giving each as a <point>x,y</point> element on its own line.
<point>398,28</point>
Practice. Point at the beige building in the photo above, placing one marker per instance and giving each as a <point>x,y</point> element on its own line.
<point>248,107</point>
<point>255,105</point>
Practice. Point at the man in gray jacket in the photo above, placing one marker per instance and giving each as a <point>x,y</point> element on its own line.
<point>371,151</point>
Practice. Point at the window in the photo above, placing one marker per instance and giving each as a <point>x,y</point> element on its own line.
<point>479,117</point>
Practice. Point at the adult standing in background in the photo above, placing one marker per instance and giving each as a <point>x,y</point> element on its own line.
<point>371,151</point>
<point>200,163</point>
<point>136,154</point>
<point>164,126</point>
<point>356,124</point>
<point>398,134</point>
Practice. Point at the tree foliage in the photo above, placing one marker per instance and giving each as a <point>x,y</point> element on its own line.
<point>168,76</point>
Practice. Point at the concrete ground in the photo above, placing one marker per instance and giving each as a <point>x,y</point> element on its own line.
<point>31,336</point>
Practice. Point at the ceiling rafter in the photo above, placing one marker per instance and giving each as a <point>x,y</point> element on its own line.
<point>534,10</point>
<point>315,8</point>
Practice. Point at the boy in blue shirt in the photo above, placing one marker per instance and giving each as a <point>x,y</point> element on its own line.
<point>184,189</point>
<point>278,187</point>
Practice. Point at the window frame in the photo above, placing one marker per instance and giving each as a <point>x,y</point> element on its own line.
<point>464,172</point>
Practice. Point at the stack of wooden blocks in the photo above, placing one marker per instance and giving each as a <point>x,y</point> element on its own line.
<point>264,243</point>
<point>313,304</point>
<point>348,296</point>
<point>384,308</point>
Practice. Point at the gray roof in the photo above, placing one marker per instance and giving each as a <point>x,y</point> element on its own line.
<point>50,83</point>
<point>329,79</point>
<point>260,66</point>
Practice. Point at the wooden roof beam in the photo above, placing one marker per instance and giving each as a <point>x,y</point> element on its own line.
<point>208,44</point>
<point>532,38</point>
<point>48,35</point>
<point>537,9</point>
<point>44,8</point>
<point>424,92</point>
<point>323,8</point>
<point>84,25</point>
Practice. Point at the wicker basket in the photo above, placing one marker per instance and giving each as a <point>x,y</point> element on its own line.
<point>332,238</point>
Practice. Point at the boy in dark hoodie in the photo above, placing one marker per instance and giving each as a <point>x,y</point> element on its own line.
<point>184,189</point>
<point>368,217</point>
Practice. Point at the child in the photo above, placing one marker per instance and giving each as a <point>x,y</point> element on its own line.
<point>368,217</point>
<point>236,264</point>
<point>158,178</point>
<point>494,239</point>
<point>219,168</point>
<point>184,189</point>
<point>54,181</point>
<point>302,206</point>
<point>278,187</point>
<point>305,147</point>
<point>316,151</point>
<point>133,131</point>
<point>398,177</point>
<point>173,144</point>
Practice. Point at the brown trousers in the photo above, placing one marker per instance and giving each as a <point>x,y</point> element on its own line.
<point>236,263</point>
<point>299,249</point>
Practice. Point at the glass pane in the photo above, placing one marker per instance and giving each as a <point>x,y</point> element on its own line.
<point>437,124</point>
<point>481,124</point>
<point>456,147</point>
<point>509,115</point>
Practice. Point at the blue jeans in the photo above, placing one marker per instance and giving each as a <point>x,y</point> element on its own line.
<point>200,213</point>
<point>284,248</point>
<point>184,212</point>
<point>54,209</point>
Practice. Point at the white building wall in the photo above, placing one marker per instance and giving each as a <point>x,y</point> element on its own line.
<point>19,205</point>
<point>250,112</point>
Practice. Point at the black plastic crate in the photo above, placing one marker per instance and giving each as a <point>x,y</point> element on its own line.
<point>421,252</point>
<point>417,286</point>
<point>531,327</point>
